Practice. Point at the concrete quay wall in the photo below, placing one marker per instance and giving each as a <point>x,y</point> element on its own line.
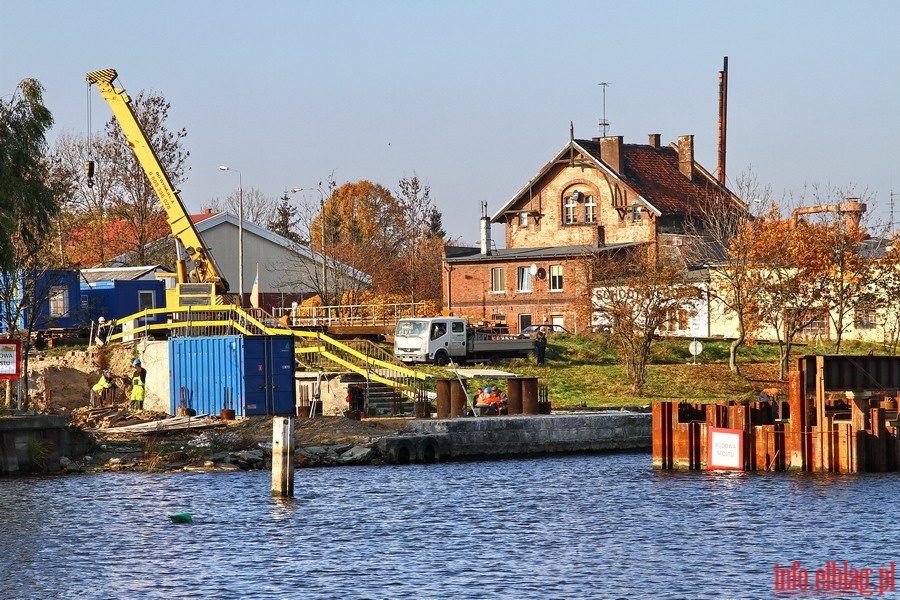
<point>34,444</point>
<point>499,437</point>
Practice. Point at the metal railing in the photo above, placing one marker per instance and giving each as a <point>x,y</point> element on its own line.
<point>352,314</point>
<point>314,349</point>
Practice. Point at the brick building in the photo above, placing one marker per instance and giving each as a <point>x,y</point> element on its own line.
<point>594,198</point>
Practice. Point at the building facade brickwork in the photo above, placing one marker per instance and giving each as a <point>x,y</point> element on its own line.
<point>592,201</point>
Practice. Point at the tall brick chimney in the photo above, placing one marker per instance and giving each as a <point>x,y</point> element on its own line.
<point>654,140</point>
<point>611,152</point>
<point>686,155</point>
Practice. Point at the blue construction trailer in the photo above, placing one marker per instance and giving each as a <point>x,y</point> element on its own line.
<point>116,298</point>
<point>56,294</point>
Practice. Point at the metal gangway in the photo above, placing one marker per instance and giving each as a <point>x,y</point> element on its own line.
<point>312,347</point>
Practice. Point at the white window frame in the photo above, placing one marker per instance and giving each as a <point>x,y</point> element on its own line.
<point>590,209</point>
<point>498,280</point>
<point>866,318</point>
<point>523,218</point>
<point>635,213</point>
<point>555,278</point>
<point>142,300</point>
<point>570,209</point>
<point>59,301</point>
<point>524,280</point>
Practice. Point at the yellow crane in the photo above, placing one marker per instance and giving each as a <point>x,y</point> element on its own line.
<point>205,283</point>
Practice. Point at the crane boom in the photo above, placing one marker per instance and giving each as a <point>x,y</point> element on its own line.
<point>205,268</point>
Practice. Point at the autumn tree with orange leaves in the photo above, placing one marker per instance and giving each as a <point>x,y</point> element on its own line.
<point>787,262</point>
<point>724,230</point>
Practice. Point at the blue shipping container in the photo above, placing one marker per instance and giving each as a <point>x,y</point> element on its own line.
<point>254,375</point>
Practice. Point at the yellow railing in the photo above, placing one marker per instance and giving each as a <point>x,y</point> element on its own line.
<point>312,348</point>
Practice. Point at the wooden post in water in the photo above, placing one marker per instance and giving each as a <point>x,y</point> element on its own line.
<point>283,456</point>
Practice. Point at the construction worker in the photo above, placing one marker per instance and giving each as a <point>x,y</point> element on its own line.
<point>138,384</point>
<point>99,391</point>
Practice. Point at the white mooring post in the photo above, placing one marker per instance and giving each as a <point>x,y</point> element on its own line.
<point>283,456</point>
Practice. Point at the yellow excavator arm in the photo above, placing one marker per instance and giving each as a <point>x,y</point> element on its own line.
<point>205,268</point>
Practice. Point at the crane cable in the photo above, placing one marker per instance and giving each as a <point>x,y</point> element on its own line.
<point>89,163</point>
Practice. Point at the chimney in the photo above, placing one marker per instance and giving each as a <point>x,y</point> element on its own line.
<point>686,155</point>
<point>654,140</point>
<point>485,231</point>
<point>852,210</point>
<point>611,152</point>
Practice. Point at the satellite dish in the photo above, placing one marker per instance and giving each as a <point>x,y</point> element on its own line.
<point>533,269</point>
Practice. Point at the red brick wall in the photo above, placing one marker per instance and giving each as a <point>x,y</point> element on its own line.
<point>467,292</point>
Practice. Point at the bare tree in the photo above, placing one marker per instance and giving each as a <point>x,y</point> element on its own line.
<point>113,210</point>
<point>307,270</point>
<point>635,295</point>
<point>418,272</point>
<point>258,208</point>
<point>86,200</point>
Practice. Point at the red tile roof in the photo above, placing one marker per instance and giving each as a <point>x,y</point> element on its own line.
<point>654,174</point>
<point>207,213</point>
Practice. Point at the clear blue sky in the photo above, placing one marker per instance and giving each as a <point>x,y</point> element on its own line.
<point>474,97</point>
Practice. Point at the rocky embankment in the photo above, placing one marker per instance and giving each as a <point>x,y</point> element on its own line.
<point>238,445</point>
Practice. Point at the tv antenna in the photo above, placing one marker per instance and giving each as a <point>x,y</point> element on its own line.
<point>892,211</point>
<point>604,124</point>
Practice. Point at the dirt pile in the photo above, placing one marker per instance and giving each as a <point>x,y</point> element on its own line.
<point>61,384</point>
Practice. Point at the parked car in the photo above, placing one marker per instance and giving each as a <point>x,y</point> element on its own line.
<point>549,328</point>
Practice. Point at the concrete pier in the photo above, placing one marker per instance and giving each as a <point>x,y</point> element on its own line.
<point>441,440</point>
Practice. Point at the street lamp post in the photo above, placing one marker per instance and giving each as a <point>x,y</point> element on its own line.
<point>324,253</point>
<point>240,233</point>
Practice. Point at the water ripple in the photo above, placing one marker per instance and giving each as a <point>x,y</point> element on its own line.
<point>599,526</point>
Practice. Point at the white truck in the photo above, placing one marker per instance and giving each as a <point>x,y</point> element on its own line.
<point>439,339</point>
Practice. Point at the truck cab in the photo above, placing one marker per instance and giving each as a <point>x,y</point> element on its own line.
<point>430,340</point>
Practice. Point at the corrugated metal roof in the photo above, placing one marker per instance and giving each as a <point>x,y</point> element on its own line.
<point>122,273</point>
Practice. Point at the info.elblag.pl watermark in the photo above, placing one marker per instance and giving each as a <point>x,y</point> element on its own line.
<point>834,579</point>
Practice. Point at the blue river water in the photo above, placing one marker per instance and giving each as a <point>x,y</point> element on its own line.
<point>587,526</point>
